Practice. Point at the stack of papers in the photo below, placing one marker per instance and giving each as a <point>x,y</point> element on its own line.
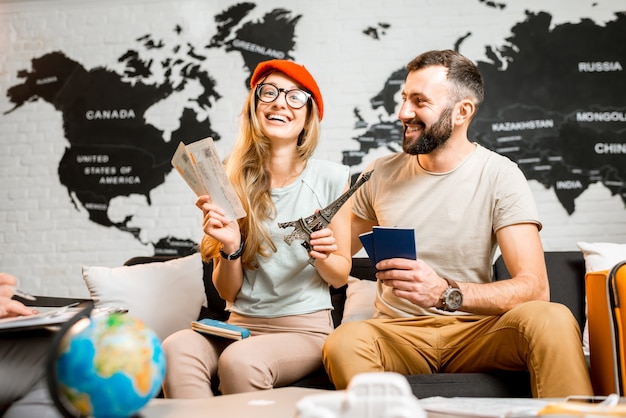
<point>49,317</point>
<point>440,407</point>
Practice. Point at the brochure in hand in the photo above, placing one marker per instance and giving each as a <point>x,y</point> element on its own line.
<point>200,166</point>
<point>220,329</point>
<point>385,242</point>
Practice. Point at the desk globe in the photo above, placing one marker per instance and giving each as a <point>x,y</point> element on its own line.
<point>108,365</point>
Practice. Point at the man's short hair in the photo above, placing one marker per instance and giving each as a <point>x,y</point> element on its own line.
<point>466,82</point>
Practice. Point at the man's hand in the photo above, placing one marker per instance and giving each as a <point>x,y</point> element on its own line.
<point>413,280</point>
<point>8,306</point>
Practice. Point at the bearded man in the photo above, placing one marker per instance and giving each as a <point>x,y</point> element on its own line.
<point>443,312</point>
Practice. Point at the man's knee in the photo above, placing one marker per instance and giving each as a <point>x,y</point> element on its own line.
<point>344,340</point>
<point>546,318</point>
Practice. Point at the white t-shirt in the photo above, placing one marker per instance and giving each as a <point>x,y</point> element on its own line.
<point>455,214</point>
<point>285,283</point>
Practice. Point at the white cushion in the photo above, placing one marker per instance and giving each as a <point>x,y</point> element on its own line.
<point>360,297</point>
<point>599,256</point>
<point>602,255</point>
<point>166,296</point>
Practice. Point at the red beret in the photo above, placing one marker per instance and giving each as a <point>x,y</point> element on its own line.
<point>293,70</point>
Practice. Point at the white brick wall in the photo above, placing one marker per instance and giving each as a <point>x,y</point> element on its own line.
<point>45,239</point>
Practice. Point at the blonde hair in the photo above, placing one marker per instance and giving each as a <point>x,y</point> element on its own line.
<point>246,169</point>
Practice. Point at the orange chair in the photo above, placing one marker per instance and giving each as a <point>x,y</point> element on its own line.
<point>606,315</point>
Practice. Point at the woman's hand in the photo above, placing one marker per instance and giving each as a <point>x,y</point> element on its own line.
<point>323,243</point>
<point>217,226</point>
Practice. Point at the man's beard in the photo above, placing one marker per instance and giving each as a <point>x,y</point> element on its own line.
<point>433,137</point>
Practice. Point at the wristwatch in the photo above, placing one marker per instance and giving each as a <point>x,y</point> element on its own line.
<point>234,255</point>
<point>452,297</point>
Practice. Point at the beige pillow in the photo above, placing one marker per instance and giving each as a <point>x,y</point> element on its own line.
<point>599,256</point>
<point>166,296</point>
<point>360,297</point>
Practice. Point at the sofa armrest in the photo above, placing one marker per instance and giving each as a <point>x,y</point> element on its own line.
<point>566,274</point>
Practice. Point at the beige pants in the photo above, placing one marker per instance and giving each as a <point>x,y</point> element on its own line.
<point>541,337</point>
<point>279,352</point>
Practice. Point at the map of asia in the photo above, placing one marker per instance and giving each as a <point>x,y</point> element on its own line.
<point>561,117</point>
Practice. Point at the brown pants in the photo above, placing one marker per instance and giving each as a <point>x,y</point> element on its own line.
<point>279,352</point>
<point>541,337</point>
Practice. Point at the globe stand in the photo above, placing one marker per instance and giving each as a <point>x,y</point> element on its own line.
<point>52,380</point>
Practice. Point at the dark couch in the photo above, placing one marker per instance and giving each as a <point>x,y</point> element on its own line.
<point>566,271</point>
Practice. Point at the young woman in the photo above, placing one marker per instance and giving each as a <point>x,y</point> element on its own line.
<point>269,286</point>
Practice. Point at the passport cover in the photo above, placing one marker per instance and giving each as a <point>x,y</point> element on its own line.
<point>367,239</point>
<point>393,242</point>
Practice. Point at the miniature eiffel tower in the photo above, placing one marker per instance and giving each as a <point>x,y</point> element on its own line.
<point>303,227</point>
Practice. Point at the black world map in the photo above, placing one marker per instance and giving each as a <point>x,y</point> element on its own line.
<point>557,110</point>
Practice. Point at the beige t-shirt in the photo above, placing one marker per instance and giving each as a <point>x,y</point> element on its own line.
<point>455,215</point>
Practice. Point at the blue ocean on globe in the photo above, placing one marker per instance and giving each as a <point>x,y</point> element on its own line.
<point>111,368</point>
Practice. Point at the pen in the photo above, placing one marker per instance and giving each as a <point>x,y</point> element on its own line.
<point>24,295</point>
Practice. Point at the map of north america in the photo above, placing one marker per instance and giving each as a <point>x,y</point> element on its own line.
<point>549,107</point>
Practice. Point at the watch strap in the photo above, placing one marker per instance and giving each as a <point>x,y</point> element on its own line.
<point>451,283</point>
<point>234,255</point>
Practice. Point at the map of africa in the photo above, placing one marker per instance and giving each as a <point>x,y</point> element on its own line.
<point>558,117</point>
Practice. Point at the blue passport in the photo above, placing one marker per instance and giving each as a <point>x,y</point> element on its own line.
<point>393,242</point>
<point>367,239</point>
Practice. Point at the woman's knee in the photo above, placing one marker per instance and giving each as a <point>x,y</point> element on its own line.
<point>187,347</point>
<point>235,356</point>
<point>179,341</point>
<point>240,371</point>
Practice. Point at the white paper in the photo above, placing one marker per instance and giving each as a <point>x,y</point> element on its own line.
<point>50,316</point>
<point>199,164</point>
<point>440,407</point>
<point>181,161</point>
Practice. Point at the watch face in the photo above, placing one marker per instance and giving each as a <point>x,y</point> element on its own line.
<point>453,299</point>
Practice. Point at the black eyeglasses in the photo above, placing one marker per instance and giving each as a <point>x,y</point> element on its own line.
<point>296,98</point>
